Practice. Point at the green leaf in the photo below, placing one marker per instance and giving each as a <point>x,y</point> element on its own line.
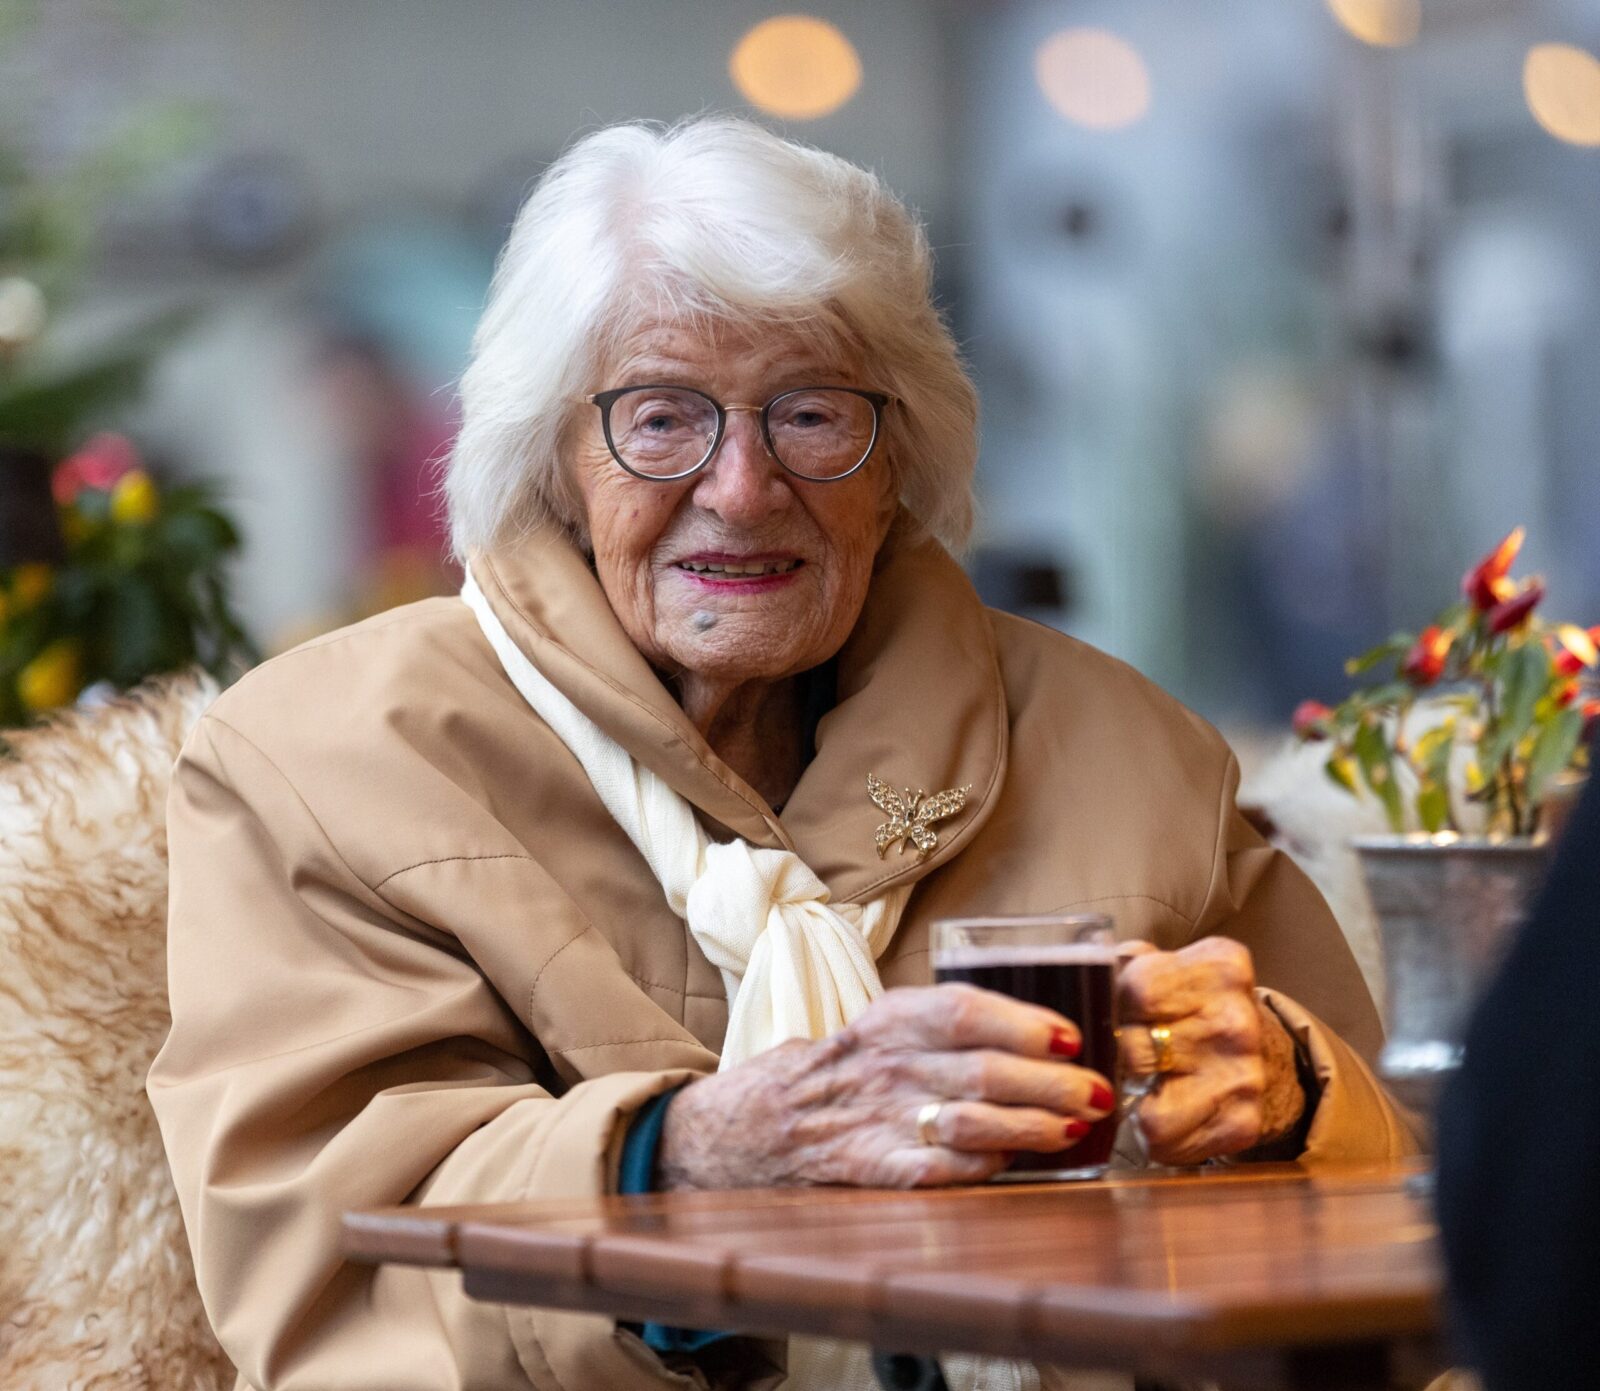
<point>1552,751</point>
<point>135,631</point>
<point>1376,761</point>
<point>194,539</point>
<point>1395,645</point>
<point>1526,674</point>
<point>1433,807</point>
<point>1429,744</point>
<point>1342,772</point>
<point>50,409</point>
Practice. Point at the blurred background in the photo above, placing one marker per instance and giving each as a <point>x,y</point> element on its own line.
<point>1282,311</point>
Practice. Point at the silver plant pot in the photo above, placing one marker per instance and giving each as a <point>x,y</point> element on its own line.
<point>1447,907</point>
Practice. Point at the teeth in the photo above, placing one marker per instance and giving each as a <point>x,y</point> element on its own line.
<point>779,568</point>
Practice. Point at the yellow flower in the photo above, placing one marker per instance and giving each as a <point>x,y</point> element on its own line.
<point>134,500</point>
<point>51,678</point>
<point>30,583</point>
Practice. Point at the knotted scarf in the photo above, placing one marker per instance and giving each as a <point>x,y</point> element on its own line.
<point>794,964</point>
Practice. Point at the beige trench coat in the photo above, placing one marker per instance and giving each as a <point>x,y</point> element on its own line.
<point>414,960</point>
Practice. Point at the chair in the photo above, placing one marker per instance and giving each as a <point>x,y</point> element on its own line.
<point>96,1284</point>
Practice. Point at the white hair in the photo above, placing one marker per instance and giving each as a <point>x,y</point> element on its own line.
<point>714,220</point>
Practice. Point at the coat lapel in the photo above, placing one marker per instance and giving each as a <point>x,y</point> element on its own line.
<point>921,706</point>
<point>553,607</point>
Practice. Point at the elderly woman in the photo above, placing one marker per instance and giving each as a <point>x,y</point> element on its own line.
<point>575,882</point>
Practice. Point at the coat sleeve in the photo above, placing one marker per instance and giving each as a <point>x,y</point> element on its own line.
<point>328,1053</point>
<point>1260,897</point>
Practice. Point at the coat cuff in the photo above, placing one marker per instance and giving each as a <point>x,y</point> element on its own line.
<point>576,1154</point>
<point>1355,1119</point>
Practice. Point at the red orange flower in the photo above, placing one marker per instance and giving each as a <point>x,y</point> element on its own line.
<point>1310,719</point>
<point>1424,664</point>
<point>1575,649</point>
<point>1591,719</point>
<point>1503,617</point>
<point>99,464</point>
<point>1488,582</point>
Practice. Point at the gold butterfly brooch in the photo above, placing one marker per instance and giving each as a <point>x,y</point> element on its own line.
<point>912,814</point>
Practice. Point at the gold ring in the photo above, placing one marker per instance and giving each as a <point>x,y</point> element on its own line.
<point>927,1118</point>
<point>1161,1046</point>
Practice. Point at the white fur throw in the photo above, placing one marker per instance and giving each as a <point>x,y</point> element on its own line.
<point>97,1291</point>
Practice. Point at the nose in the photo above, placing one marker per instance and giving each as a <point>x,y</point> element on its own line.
<point>743,484</point>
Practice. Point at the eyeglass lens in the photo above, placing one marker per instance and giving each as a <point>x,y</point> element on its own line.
<point>818,432</point>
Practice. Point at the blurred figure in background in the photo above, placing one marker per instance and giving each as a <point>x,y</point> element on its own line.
<point>394,437</point>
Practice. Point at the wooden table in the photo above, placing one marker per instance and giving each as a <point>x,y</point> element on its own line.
<point>1269,1276</point>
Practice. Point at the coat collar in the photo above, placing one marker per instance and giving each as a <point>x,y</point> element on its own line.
<point>920,704</point>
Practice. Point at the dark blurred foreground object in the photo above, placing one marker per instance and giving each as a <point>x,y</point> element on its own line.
<point>1519,1142</point>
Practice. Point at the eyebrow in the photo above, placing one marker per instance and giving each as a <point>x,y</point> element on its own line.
<point>666,371</point>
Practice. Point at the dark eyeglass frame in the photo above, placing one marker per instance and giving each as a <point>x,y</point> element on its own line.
<point>605,399</point>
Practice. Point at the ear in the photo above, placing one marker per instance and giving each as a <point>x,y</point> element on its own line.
<point>888,506</point>
<point>562,497</point>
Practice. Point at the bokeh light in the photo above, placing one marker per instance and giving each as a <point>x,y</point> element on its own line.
<point>1562,85</point>
<point>1384,23</point>
<point>1093,78</point>
<point>795,66</point>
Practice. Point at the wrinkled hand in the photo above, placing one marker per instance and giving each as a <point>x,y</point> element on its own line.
<point>844,1109</point>
<point>1233,1083</point>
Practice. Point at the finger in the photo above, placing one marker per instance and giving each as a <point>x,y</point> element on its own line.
<point>1169,985</point>
<point>1134,947</point>
<point>1232,1128</point>
<point>1227,1024</point>
<point>978,1126</point>
<point>1183,1105</point>
<point>945,1017</point>
<point>1004,1079</point>
<point>934,1166</point>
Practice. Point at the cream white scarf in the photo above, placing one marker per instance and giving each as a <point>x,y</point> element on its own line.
<point>794,964</point>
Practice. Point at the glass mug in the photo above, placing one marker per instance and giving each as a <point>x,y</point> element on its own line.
<point>1067,963</point>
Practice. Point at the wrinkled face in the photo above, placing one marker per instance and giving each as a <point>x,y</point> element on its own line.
<point>743,571</point>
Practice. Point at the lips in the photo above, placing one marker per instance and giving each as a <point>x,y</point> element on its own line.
<point>740,569</point>
<point>723,572</point>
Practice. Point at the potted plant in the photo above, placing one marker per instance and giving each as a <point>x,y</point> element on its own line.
<point>107,575</point>
<point>1470,733</point>
<point>140,587</point>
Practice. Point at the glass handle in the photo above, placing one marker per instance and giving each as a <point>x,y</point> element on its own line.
<point>1132,1090</point>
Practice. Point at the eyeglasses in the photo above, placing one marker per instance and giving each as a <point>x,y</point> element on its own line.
<point>663,432</point>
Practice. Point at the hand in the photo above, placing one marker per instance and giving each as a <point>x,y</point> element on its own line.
<point>844,1109</point>
<point>1233,1084</point>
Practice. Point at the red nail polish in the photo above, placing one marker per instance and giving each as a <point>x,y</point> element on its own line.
<point>1076,1130</point>
<point>1101,1098</point>
<point>1063,1044</point>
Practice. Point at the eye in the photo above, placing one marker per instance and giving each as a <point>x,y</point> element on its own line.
<point>661,417</point>
<point>811,412</point>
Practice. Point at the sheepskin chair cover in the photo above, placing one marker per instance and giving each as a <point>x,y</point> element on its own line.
<point>1302,813</point>
<point>97,1290</point>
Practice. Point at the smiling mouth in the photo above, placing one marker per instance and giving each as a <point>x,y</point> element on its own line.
<point>734,570</point>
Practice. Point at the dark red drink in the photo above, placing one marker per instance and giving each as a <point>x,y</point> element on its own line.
<point>1078,981</point>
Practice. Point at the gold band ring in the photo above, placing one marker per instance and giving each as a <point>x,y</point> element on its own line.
<point>1161,1047</point>
<point>927,1119</point>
